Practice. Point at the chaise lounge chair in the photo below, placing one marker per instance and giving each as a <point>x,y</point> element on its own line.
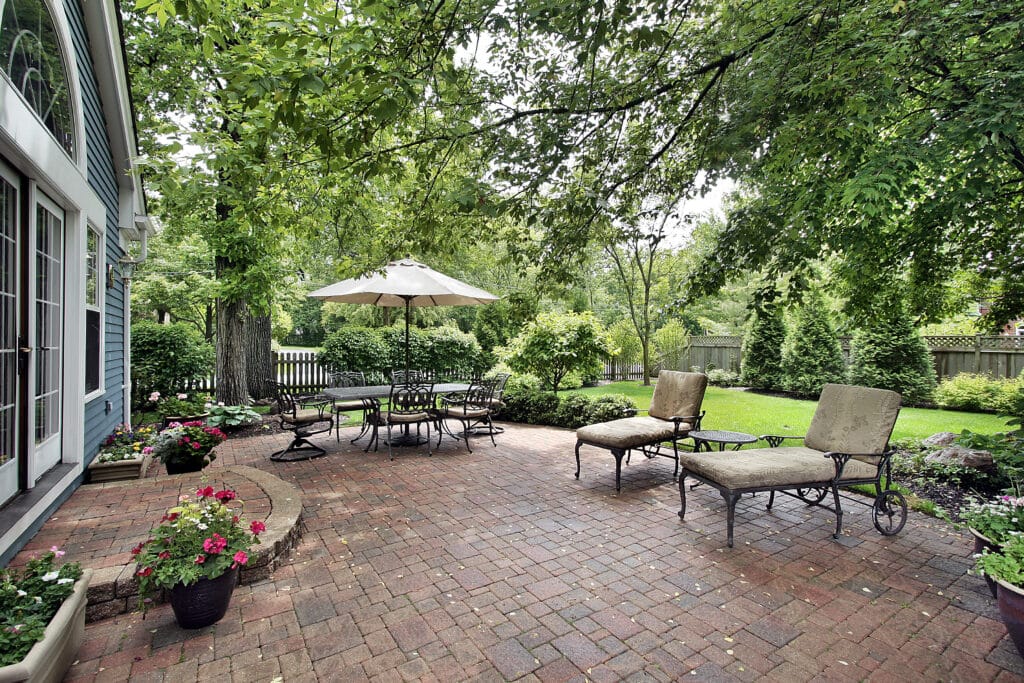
<point>674,412</point>
<point>847,443</point>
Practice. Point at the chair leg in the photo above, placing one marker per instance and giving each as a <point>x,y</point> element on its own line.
<point>465,433</point>
<point>578,444</point>
<point>730,503</point>
<point>302,446</point>
<point>618,453</point>
<point>391,453</point>
<point>682,496</point>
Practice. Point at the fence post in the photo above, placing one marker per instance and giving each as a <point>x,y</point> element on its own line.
<point>977,354</point>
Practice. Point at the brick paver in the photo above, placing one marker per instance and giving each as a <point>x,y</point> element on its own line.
<point>499,565</point>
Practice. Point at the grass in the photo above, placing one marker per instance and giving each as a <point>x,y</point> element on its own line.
<point>745,411</point>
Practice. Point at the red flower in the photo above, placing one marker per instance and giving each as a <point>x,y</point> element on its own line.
<point>173,516</point>
<point>225,495</point>
<point>145,571</point>
<point>257,528</point>
<point>234,519</point>
<point>164,555</point>
<point>138,549</point>
<point>204,493</point>
<point>200,558</point>
<point>239,558</point>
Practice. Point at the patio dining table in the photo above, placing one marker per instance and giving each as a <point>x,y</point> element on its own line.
<point>383,391</point>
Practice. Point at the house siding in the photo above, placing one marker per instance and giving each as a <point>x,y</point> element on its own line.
<point>99,419</point>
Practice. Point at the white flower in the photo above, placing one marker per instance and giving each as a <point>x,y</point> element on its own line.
<point>61,582</point>
<point>50,576</point>
<point>38,599</point>
<point>21,593</point>
<point>220,403</point>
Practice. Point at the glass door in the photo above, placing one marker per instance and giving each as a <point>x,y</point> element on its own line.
<point>45,362</point>
<point>9,272</point>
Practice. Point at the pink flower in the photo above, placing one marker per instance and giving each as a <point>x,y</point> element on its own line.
<point>57,551</point>
<point>257,527</point>
<point>239,558</point>
<point>204,493</point>
<point>200,559</point>
<point>164,555</point>
<point>215,544</point>
<point>196,445</point>
<point>154,397</point>
<point>147,450</point>
<point>183,397</point>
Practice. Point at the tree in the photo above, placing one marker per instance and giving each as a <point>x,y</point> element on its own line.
<point>167,358</point>
<point>811,356</point>
<point>888,352</point>
<point>762,366</point>
<point>623,339</point>
<point>176,282</point>
<point>672,344</point>
<point>555,344</point>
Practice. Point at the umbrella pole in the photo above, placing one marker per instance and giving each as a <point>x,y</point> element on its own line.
<point>407,301</point>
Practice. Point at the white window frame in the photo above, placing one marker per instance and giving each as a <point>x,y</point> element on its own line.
<point>98,307</point>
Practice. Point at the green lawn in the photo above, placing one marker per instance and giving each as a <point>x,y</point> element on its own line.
<point>744,411</point>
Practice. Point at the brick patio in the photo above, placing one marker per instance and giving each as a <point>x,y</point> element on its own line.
<point>499,565</point>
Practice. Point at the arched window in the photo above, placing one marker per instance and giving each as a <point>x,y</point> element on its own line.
<point>32,59</point>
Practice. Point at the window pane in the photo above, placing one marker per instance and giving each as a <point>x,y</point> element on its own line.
<point>92,260</point>
<point>92,351</point>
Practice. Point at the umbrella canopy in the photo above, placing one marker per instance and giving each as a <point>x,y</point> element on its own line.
<point>405,283</point>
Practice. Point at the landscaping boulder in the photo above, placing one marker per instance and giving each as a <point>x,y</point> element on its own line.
<point>940,439</point>
<point>963,457</point>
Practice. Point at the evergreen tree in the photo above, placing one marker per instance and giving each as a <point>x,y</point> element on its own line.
<point>762,348</point>
<point>811,356</point>
<point>888,352</point>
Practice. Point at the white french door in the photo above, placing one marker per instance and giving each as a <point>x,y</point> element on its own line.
<point>31,334</point>
<point>45,327</point>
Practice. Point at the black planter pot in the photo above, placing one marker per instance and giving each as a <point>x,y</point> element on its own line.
<point>205,602</point>
<point>183,466</point>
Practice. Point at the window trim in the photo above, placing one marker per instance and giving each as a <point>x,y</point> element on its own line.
<point>98,307</point>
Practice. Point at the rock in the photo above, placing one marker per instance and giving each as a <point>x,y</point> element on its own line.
<point>940,439</point>
<point>963,457</point>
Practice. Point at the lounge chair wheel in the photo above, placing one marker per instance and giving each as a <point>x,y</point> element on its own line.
<point>890,512</point>
<point>812,496</point>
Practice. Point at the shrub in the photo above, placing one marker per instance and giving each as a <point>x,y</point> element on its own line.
<point>723,378</point>
<point>168,358</point>
<point>449,351</point>
<point>554,345</point>
<point>533,406</point>
<point>968,391</point>
<point>610,407</point>
<point>232,417</point>
<point>811,356</point>
<point>529,406</point>
<point>889,353</point>
<point>355,348</point>
<point>762,348</point>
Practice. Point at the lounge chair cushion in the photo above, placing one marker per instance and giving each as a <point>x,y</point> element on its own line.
<point>678,394</point>
<point>305,416</point>
<point>787,466</point>
<point>853,419</point>
<point>629,432</point>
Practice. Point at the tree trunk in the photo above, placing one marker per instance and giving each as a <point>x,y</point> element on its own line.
<point>645,343</point>
<point>210,322</point>
<point>232,385</point>
<point>259,363</point>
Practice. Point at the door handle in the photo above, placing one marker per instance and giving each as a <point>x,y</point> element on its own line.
<point>25,349</point>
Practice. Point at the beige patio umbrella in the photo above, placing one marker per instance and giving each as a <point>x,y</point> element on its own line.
<point>405,283</point>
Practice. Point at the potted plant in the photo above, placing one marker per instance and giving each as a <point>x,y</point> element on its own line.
<point>42,618</point>
<point>187,446</point>
<point>124,454</point>
<point>1006,567</point>
<point>180,407</point>
<point>194,553</point>
<point>993,522</point>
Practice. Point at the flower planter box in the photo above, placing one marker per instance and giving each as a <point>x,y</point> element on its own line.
<point>51,657</point>
<point>120,470</point>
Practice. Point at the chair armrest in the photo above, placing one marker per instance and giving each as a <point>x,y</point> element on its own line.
<point>692,419</point>
<point>840,459</point>
<point>318,402</point>
<point>775,440</point>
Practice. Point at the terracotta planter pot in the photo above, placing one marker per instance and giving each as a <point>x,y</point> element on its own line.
<point>51,657</point>
<point>205,602</point>
<point>982,542</point>
<point>120,470</point>
<point>1011,607</point>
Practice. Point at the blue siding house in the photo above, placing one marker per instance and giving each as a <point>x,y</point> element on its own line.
<point>71,205</point>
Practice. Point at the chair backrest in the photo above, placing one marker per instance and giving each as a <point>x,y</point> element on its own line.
<point>285,399</point>
<point>400,376</point>
<point>853,419</point>
<point>678,394</point>
<point>411,397</point>
<point>500,380</point>
<point>348,378</point>
<point>480,393</point>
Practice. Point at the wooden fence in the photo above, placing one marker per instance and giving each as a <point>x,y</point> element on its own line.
<point>1001,357</point>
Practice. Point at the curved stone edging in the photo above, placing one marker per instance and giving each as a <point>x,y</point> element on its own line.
<point>115,590</point>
